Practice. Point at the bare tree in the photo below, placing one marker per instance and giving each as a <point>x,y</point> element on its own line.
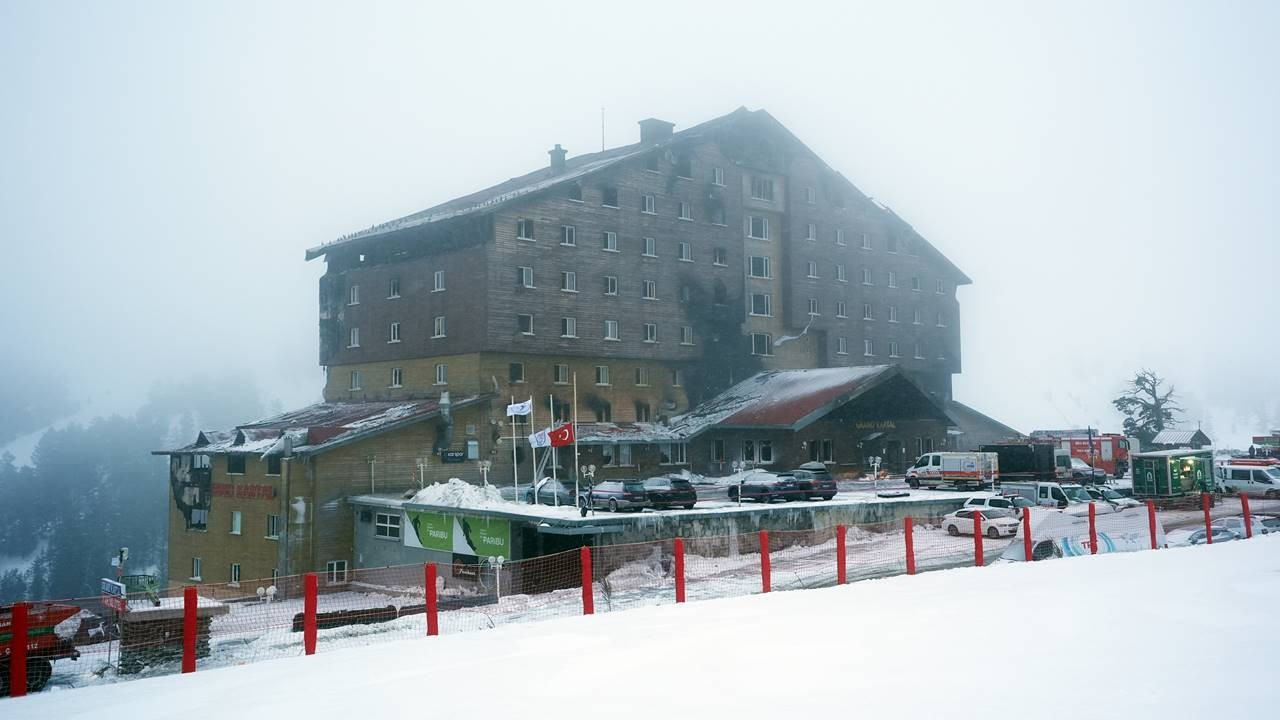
<point>1146,408</point>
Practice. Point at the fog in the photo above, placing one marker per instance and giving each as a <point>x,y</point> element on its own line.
<point>1106,173</point>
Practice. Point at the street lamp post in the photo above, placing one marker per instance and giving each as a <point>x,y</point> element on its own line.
<point>588,472</point>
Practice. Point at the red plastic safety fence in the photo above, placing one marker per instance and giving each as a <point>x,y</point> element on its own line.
<point>1208,521</point>
<point>588,601</point>
<point>1027,553</point>
<point>765,581</point>
<point>841,559</point>
<point>977,539</point>
<point>1151,523</point>
<point>1246,515</point>
<point>309,629</point>
<point>679,560</point>
<point>18,642</point>
<point>908,530</point>
<point>190,625</point>
<point>433,611</point>
<point>1093,529</point>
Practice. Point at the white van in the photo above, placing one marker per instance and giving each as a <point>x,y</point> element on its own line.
<point>1251,477</point>
<point>955,469</point>
<point>1048,494</point>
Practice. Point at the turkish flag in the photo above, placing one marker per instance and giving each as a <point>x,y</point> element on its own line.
<point>562,436</point>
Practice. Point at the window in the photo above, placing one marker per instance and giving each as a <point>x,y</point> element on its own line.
<point>569,281</point>
<point>686,334</point>
<point>684,213</point>
<point>273,526</point>
<point>650,247</point>
<point>602,374</point>
<point>868,348</point>
<point>524,229</point>
<point>355,380</point>
<point>720,256</point>
<point>196,564</point>
<point>715,212</point>
<point>651,162</point>
<point>515,372</point>
<point>438,285</point>
<point>810,232</point>
<point>397,377</point>
<point>604,410</point>
<point>842,346</point>
<point>915,316</point>
<point>525,322</point>
<point>685,252</point>
<point>867,313</point>
<point>609,197</point>
<point>942,320</point>
<point>842,310</point>
<point>353,295</point>
<point>761,304</point>
<point>395,333</point>
<point>717,176</point>
<point>575,192</point>
<point>234,575</point>
<point>919,352</point>
<point>891,244</point>
<point>442,374</point>
<point>942,353</point>
<point>610,285</point>
<point>235,522</point>
<point>810,196</point>
<point>840,274</point>
<point>866,276</point>
<point>394,290</point>
<point>893,279</point>
<point>811,269</point>
<point>866,241</point>
<point>840,236</point>
<point>386,525</point>
<point>273,465</point>
<point>437,327</point>
<point>569,327</point>
<point>673,453</point>
<point>758,266</point>
<point>893,348</point>
<point>813,306</point>
<point>893,313</point>
<point>717,450</point>
<point>938,288</point>
<point>650,333</point>
<point>650,290</point>
<point>235,464</point>
<point>620,456</point>
<point>642,377</point>
<point>684,166</point>
<point>526,276</point>
<point>761,344</point>
<point>568,235</point>
<point>648,205</point>
<point>828,452</point>
<point>610,241</point>
<point>677,378</point>
<point>685,293</point>
<point>336,571</point>
<point>560,374</point>
<point>758,227</point>
<point>610,329</point>
<point>757,451</point>
<point>354,339</point>
<point>761,189</point>
<point>915,283</point>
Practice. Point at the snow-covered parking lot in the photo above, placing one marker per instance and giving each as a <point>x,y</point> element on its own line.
<point>894,647</point>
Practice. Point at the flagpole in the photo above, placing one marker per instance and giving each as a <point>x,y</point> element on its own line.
<point>515,466</point>
<point>534,454</point>
<point>577,472</point>
<point>555,484</point>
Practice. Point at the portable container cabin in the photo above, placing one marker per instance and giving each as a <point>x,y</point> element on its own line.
<point>1170,473</point>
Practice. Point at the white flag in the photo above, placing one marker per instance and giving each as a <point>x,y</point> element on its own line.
<point>523,408</point>
<point>542,438</point>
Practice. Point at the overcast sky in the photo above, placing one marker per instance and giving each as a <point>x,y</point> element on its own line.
<point>1107,173</point>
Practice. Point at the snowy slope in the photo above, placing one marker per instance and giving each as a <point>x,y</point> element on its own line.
<point>1185,645</point>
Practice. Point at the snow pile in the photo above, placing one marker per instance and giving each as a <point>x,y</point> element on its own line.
<point>459,494</point>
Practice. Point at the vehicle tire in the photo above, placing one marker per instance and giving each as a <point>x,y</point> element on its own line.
<point>913,483</point>
<point>689,506</point>
<point>39,670</point>
<point>953,531</point>
<point>733,493</point>
<point>828,496</point>
<point>993,533</point>
<point>613,506</point>
<point>1273,494</point>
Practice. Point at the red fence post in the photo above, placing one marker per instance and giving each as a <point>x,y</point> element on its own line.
<point>588,602</point>
<point>1208,523</point>
<point>1093,529</point>
<point>309,614</point>
<point>907,526</point>
<point>433,621</point>
<point>977,539</point>
<point>841,576</point>
<point>1026,533</point>
<point>765,582</point>
<point>1248,519</point>
<point>679,570</point>
<point>18,651</point>
<point>1151,522</point>
<point>189,603</point>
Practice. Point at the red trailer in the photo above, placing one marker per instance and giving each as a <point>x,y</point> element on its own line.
<point>1106,451</point>
<point>44,644</point>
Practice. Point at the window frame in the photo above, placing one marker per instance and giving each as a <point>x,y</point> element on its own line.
<point>386,529</point>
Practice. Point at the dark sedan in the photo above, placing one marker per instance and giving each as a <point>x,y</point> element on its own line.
<point>764,487</point>
<point>669,492</point>
<point>814,480</point>
<point>550,492</point>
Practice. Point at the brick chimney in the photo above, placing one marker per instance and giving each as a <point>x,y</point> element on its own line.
<point>653,130</point>
<point>557,154</point>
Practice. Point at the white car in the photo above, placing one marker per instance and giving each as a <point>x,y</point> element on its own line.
<point>1187,537</point>
<point>1236,524</point>
<point>1012,503</point>
<point>996,522</point>
<point>1105,495</point>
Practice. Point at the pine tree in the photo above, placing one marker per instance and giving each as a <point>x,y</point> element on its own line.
<point>1146,408</point>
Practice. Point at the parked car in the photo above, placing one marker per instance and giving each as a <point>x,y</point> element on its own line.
<point>764,487</point>
<point>548,491</point>
<point>1107,495</point>
<point>995,522</point>
<point>667,492</point>
<point>615,495</point>
<point>1184,538</point>
<point>814,480</point>
<point>1258,523</point>
<point>997,501</point>
<point>1083,472</point>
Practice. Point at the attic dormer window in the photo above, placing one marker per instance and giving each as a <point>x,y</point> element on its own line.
<point>684,166</point>
<point>575,192</point>
<point>651,162</point>
<point>610,198</point>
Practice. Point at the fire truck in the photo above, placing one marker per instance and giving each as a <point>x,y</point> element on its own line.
<point>1105,451</point>
<point>44,643</point>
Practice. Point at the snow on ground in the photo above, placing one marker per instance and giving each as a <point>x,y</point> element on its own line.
<point>887,648</point>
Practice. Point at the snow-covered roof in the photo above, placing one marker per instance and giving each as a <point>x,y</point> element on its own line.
<point>1179,437</point>
<point>315,428</point>
<point>644,432</point>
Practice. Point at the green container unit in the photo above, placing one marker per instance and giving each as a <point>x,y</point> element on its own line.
<point>1170,473</point>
